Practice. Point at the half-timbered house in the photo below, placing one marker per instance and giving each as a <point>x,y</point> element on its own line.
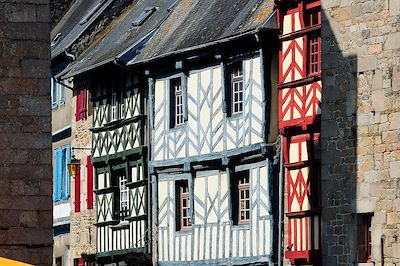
<point>300,94</point>
<point>211,127</point>
<point>119,141</point>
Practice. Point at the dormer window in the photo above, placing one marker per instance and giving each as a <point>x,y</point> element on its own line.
<point>144,15</point>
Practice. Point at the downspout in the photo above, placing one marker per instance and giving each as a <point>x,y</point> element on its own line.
<point>281,201</point>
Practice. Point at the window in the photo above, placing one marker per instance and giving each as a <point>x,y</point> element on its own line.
<point>176,103</point>
<point>59,261</point>
<point>123,197</point>
<point>236,77</point>
<point>57,93</point>
<point>314,54</point>
<point>183,206</point>
<point>364,237</point>
<point>61,175</point>
<point>143,16</point>
<point>81,102</point>
<point>313,16</point>
<point>116,105</point>
<point>244,199</point>
<point>241,197</point>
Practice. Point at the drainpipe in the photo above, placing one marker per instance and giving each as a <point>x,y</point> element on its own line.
<point>281,207</point>
<point>382,254</point>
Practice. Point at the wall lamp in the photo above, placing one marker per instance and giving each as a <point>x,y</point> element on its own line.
<point>74,165</point>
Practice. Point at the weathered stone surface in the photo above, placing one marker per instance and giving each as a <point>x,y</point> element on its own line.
<point>25,145</point>
<point>363,65</point>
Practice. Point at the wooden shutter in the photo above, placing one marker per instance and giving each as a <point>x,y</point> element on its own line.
<point>89,193</point>
<point>57,174</point>
<point>81,102</point>
<point>66,178</point>
<point>77,203</point>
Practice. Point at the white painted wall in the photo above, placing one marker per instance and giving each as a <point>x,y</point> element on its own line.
<point>208,129</point>
<point>213,237</point>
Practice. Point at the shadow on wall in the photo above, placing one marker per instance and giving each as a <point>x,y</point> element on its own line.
<point>339,153</point>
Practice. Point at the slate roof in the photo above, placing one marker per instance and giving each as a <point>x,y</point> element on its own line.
<point>123,36</point>
<point>70,25</point>
<point>190,24</point>
<point>196,23</point>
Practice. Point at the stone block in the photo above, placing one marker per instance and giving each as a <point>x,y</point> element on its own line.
<point>365,205</point>
<point>392,41</point>
<point>394,120</point>
<point>366,63</point>
<point>394,7</point>
<point>378,100</point>
<point>394,169</point>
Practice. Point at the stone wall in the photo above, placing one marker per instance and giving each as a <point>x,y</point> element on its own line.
<point>360,127</point>
<point>25,132</point>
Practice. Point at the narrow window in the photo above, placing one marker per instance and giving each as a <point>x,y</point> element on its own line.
<point>313,17</point>
<point>123,197</point>
<point>244,198</point>
<point>114,107</point>
<point>183,206</point>
<point>364,238</point>
<point>176,103</point>
<point>62,93</point>
<point>240,195</point>
<point>54,89</point>
<point>314,54</point>
<point>237,88</point>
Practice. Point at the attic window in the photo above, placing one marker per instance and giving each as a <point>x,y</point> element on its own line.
<point>144,15</point>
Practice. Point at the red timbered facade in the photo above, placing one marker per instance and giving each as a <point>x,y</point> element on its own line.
<point>300,93</point>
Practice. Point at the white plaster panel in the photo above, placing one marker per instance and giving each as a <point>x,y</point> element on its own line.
<point>61,210</point>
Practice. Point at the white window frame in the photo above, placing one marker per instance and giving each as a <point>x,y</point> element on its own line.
<point>123,196</point>
<point>237,89</point>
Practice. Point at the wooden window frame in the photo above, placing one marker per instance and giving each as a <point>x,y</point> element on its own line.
<point>237,88</point>
<point>314,54</point>
<point>177,118</point>
<point>123,188</point>
<point>184,222</point>
<point>243,198</point>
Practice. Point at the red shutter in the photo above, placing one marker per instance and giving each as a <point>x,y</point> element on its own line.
<point>89,182</point>
<point>78,192</point>
<point>81,102</point>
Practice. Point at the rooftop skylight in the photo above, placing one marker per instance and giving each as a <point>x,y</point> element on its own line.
<point>144,15</point>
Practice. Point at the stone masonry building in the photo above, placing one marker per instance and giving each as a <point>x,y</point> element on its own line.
<point>25,132</point>
<point>360,186</point>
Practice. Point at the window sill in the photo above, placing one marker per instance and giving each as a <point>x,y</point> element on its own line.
<point>178,128</point>
<point>185,231</point>
<point>121,226</point>
<point>365,264</point>
<point>241,226</point>
<point>235,116</point>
